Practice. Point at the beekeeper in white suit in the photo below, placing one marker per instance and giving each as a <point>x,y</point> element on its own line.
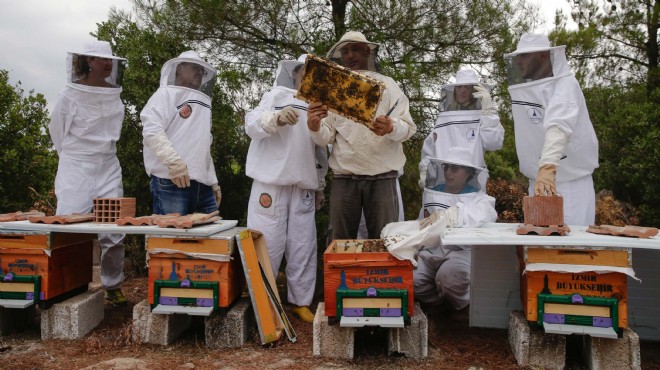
<point>555,140</point>
<point>85,126</point>
<point>288,171</point>
<point>467,119</point>
<point>455,190</point>
<point>176,128</point>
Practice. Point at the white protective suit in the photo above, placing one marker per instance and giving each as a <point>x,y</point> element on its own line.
<point>443,272</point>
<point>85,126</point>
<point>287,168</point>
<point>556,101</point>
<point>177,123</point>
<point>466,127</point>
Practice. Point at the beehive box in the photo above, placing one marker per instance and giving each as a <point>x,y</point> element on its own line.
<point>203,260</point>
<point>586,284</point>
<point>360,265</point>
<point>63,261</point>
<point>108,210</point>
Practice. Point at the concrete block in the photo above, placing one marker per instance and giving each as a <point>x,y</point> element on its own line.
<point>605,354</point>
<point>534,348</point>
<point>73,318</point>
<point>232,328</point>
<point>331,340</point>
<point>157,328</point>
<point>413,340</point>
<point>13,320</point>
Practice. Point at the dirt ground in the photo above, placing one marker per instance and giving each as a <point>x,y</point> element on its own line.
<point>452,345</point>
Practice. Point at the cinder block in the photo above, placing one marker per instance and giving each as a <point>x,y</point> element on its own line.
<point>230,329</point>
<point>543,211</point>
<point>331,340</point>
<point>157,328</point>
<point>534,348</point>
<point>13,320</point>
<point>413,340</point>
<point>605,354</point>
<point>73,318</point>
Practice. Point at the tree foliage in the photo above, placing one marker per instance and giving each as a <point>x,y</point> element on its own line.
<point>616,41</point>
<point>615,51</point>
<point>27,165</point>
<point>423,44</point>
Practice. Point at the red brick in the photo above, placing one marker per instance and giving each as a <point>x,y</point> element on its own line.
<point>19,216</point>
<point>526,229</point>
<point>108,210</point>
<point>632,231</point>
<point>186,222</point>
<point>63,219</point>
<point>543,211</point>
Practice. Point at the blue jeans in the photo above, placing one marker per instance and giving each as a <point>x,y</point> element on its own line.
<point>168,198</point>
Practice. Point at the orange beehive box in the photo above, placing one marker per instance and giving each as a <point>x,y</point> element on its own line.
<point>199,259</point>
<point>62,260</point>
<point>587,284</point>
<point>363,264</point>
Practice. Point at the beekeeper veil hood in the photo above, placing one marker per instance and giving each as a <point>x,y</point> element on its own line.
<point>289,71</point>
<point>458,95</point>
<point>458,167</point>
<point>188,71</point>
<point>353,37</point>
<point>534,59</point>
<point>94,66</point>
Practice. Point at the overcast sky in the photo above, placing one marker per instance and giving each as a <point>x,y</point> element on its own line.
<point>35,36</point>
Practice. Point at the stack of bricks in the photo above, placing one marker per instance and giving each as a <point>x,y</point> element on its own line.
<point>543,216</point>
<point>108,210</point>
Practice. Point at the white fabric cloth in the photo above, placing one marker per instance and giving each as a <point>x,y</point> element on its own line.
<point>286,156</point>
<point>554,101</point>
<point>183,116</point>
<point>85,126</point>
<point>358,151</point>
<point>443,277</point>
<point>466,129</point>
<point>87,120</point>
<point>579,200</point>
<point>284,214</point>
<point>287,168</point>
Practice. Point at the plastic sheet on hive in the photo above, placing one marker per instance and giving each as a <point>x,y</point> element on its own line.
<point>345,92</point>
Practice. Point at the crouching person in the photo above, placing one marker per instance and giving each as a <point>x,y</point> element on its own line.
<point>455,192</point>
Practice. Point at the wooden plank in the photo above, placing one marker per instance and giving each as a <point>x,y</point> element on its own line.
<point>371,303</point>
<point>16,287</point>
<point>191,245</point>
<point>186,293</point>
<point>268,321</point>
<point>573,256</point>
<point>577,309</point>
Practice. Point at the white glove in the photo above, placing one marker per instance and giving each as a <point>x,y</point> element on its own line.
<point>554,145</point>
<point>447,217</point>
<point>422,178</point>
<point>486,102</point>
<point>178,172</point>
<point>217,193</point>
<point>163,148</point>
<point>287,116</point>
<point>319,199</point>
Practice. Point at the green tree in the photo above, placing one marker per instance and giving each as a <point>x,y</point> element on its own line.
<point>615,51</point>
<point>26,160</point>
<point>423,43</point>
